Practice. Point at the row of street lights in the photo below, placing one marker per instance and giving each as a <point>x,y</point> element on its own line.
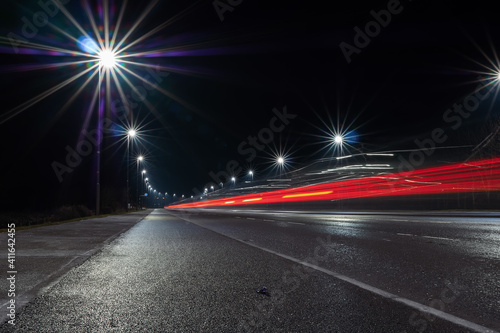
<point>280,162</point>
<point>107,62</point>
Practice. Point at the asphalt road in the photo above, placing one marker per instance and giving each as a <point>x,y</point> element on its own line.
<point>323,274</point>
<point>449,261</point>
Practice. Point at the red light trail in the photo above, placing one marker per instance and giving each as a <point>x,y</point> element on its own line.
<point>477,176</point>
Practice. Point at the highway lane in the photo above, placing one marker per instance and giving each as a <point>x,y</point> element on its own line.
<point>168,275</point>
<point>449,261</point>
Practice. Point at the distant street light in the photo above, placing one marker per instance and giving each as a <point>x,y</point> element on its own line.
<point>142,182</point>
<point>338,139</point>
<point>251,173</point>
<point>140,158</point>
<point>280,164</point>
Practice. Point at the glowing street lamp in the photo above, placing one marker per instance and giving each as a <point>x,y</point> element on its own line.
<point>234,180</point>
<point>251,173</point>
<point>107,59</point>
<point>280,164</point>
<point>140,158</point>
<point>142,180</point>
<point>338,139</point>
<point>131,133</point>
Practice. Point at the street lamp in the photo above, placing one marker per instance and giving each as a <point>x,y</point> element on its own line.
<point>338,139</point>
<point>142,180</point>
<point>131,133</point>
<point>280,162</point>
<point>140,158</point>
<point>234,180</point>
<point>251,174</point>
<point>107,59</point>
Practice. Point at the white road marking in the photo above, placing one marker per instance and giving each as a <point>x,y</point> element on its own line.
<point>404,234</point>
<point>412,304</point>
<point>296,223</point>
<point>438,237</point>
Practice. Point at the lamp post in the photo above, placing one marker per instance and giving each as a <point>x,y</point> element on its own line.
<point>338,142</point>
<point>130,134</point>
<point>107,61</point>
<point>142,182</point>
<point>281,163</point>
<point>139,159</point>
<point>99,140</point>
<point>251,174</point>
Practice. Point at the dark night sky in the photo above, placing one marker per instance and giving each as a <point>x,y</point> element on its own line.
<point>264,55</point>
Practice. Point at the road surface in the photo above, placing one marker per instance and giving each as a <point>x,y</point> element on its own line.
<point>199,272</point>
